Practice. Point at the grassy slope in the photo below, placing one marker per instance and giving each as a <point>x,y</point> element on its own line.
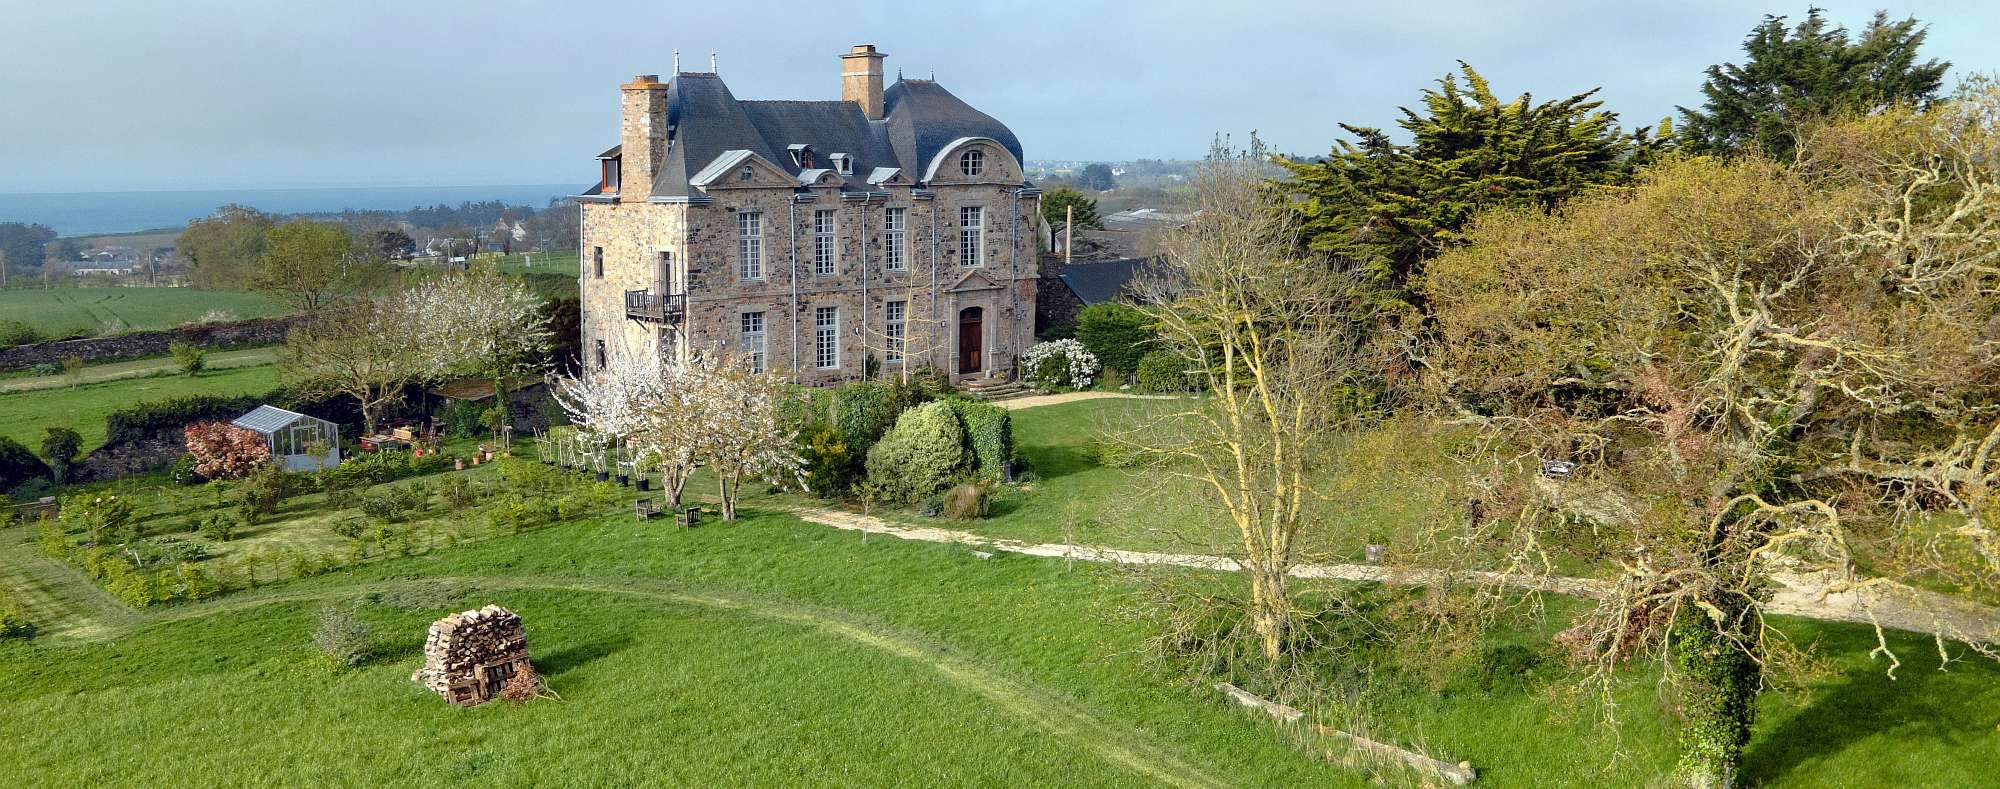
<point>64,311</point>
<point>703,655</point>
<point>25,415</point>
<point>142,368</point>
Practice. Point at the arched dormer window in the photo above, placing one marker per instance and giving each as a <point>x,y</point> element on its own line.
<point>746,174</point>
<point>972,163</point>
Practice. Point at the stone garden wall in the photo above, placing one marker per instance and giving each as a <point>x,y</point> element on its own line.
<point>255,331</point>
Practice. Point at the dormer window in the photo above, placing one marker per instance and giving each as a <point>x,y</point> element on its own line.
<point>611,175</point>
<point>842,163</point>
<point>802,155</point>
<point>746,174</point>
<point>972,163</point>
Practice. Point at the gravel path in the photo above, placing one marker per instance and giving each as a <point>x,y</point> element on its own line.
<point>1032,401</point>
<point>1891,605</point>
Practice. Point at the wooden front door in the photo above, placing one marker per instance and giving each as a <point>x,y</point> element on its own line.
<point>971,340</point>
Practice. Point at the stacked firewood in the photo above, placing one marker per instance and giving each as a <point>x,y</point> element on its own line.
<point>470,655</point>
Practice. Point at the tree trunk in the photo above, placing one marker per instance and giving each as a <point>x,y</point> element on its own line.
<point>1719,684</point>
<point>728,497</point>
<point>1270,608</point>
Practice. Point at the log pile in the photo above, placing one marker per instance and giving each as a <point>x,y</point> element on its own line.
<point>470,655</point>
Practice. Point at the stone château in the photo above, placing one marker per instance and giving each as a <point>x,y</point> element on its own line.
<point>893,227</point>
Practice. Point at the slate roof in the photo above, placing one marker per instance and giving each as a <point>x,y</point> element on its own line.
<point>1099,281</point>
<point>706,120</point>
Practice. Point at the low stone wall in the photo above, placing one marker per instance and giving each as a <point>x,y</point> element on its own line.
<point>131,458</point>
<point>255,331</point>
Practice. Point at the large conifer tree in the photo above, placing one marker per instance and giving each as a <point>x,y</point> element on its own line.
<point>1805,73</point>
<point>1387,206</point>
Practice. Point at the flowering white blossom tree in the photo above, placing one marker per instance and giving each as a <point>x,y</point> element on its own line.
<point>480,322</point>
<point>1059,364</point>
<point>710,411</point>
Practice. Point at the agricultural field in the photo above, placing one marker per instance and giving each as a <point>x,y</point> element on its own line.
<point>25,415</point>
<point>62,312</point>
<point>775,650</point>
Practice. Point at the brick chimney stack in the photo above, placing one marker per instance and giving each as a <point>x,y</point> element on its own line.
<point>861,79</point>
<point>642,136</point>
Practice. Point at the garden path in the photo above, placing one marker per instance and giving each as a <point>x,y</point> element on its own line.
<point>1032,401</point>
<point>1809,595</point>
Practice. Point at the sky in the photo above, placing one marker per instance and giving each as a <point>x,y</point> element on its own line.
<point>110,95</point>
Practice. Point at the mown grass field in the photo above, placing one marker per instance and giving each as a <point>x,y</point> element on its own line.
<point>26,415</point>
<point>774,651</point>
<point>61,312</point>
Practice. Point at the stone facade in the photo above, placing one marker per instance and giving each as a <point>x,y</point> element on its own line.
<point>966,317</point>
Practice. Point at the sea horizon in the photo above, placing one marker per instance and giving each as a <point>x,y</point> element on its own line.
<point>101,213</point>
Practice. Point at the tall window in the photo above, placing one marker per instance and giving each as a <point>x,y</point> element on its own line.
<point>597,261</point>
<point>823,244</point>
<point>892,331</point>
<point>972,163</point>
<point>602,359</point>
<point>666,272</point>
<point>750,245</point>
<point>971,235</point>
<point>892,237</point>
<point>753,340</point>
<point>826,337</point>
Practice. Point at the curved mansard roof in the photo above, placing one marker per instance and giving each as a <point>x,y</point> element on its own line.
<point>705,121</point>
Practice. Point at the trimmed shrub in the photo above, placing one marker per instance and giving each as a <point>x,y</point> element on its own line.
<point>147,419</point>
<point>183,471</point>
<point>1059,365</point>
<point>966,502</point>
<point>1164,372</point>
<point>265,489</point>
<point>1116,333</point>
<point>920,455</point>
<point>375,468</point>
<point>863,411</point>
<point>831,466</point>
<point>989,431</point>
<point>18,465</point>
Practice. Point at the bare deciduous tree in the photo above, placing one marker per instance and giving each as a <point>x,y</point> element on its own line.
<point>1281,339</point>
<point>368,351</point>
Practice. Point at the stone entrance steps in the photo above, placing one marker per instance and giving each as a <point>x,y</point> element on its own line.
<point>991,389</point>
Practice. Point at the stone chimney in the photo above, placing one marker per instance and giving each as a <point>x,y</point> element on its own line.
<point>861,79</point>
<point>642,136</point>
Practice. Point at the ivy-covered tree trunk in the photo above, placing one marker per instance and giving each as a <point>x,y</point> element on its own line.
<point>1270,609</point>
<point>1719,682</point>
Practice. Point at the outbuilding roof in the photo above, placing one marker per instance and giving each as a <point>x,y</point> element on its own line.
<point>269,419</point>
<point>1099,281</point>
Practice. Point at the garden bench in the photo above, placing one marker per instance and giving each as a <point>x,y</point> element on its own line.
<point>688,516</point>
<point>645,509</point>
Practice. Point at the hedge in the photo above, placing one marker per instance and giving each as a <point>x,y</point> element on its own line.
<point>1165,372</point>
<point>169,416</point>
<point>1118,334</point>
<point>18,465</point>
<point>989,430</point>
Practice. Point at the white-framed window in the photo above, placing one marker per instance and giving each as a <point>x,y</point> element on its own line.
<point>823,244</point>
<point>826,337</point>
<point>752,339</point>
<point>843,164</point>
<point>666,272</point>
<point>750,245</point>
<point>892,330</point>
<point>603,359</point>
<point>972,163</point>
<point>893,223</point>
<point>971,235</point>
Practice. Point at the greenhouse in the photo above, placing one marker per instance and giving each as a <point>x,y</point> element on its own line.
<point>297,441</point>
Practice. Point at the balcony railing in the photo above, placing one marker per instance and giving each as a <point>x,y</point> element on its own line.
<point>645,305</point>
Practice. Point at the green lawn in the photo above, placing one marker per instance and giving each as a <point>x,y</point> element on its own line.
<point>773,651</point>
<point>92,311</point>
<point>24,416</point>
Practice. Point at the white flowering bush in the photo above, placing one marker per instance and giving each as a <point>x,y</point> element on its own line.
<point>1059,365</point>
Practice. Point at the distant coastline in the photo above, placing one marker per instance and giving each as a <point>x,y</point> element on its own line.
<point>97,213</point>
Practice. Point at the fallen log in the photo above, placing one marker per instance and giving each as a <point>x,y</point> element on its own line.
<point>1458,774</point>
